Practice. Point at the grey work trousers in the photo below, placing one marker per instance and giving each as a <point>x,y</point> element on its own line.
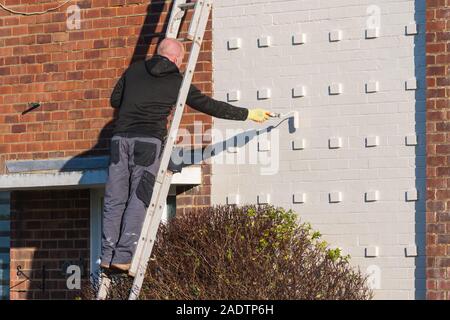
<point>134,163</point>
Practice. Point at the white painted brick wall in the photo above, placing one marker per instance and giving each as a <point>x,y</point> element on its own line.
<point>375,73</point>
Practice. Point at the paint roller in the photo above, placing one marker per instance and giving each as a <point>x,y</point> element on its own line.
<point>294,114</point>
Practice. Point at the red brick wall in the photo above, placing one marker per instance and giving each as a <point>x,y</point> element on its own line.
<point>72,73</point>
<point>198,196</point>
<point>51,229</point>
<point>438,149</point>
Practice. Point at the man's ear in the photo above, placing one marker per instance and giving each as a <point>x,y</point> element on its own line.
<point>179,61</point>
<point>172,59</point>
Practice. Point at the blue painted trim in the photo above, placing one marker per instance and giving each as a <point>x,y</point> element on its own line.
<point>73,164</point>
<point>5,260</point>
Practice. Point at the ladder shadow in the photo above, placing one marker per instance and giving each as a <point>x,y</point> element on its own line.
<point>148,35</point>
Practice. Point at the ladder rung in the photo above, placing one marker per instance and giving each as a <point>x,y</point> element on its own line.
<point>184,39</point>
<point>186,6</point>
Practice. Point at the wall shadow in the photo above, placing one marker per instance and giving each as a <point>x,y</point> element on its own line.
<point>148,34</point>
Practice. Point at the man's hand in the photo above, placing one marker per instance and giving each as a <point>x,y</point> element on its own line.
<point>258,115</point>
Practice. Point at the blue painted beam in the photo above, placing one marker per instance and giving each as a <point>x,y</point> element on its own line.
<point>73,164</point>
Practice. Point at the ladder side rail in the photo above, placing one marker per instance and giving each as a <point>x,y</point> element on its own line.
<point>151,237</point>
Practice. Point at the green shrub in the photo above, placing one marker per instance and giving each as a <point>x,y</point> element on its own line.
<point>250,252</point>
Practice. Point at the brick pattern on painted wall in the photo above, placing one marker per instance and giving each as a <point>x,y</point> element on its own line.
<point>48,229</point>
<point>438,149</point>
<point>359,149</point>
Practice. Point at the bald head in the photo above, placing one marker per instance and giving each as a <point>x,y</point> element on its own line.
<point>173,50</point>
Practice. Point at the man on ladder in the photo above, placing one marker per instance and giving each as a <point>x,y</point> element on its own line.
<point>145,96</point>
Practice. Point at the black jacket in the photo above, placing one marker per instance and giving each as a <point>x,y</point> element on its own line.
<point>148,90</point>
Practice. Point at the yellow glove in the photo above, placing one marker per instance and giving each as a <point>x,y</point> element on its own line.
<point>258,115</point>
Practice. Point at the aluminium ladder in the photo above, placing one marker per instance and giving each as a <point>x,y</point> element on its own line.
<point>202,9</point>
